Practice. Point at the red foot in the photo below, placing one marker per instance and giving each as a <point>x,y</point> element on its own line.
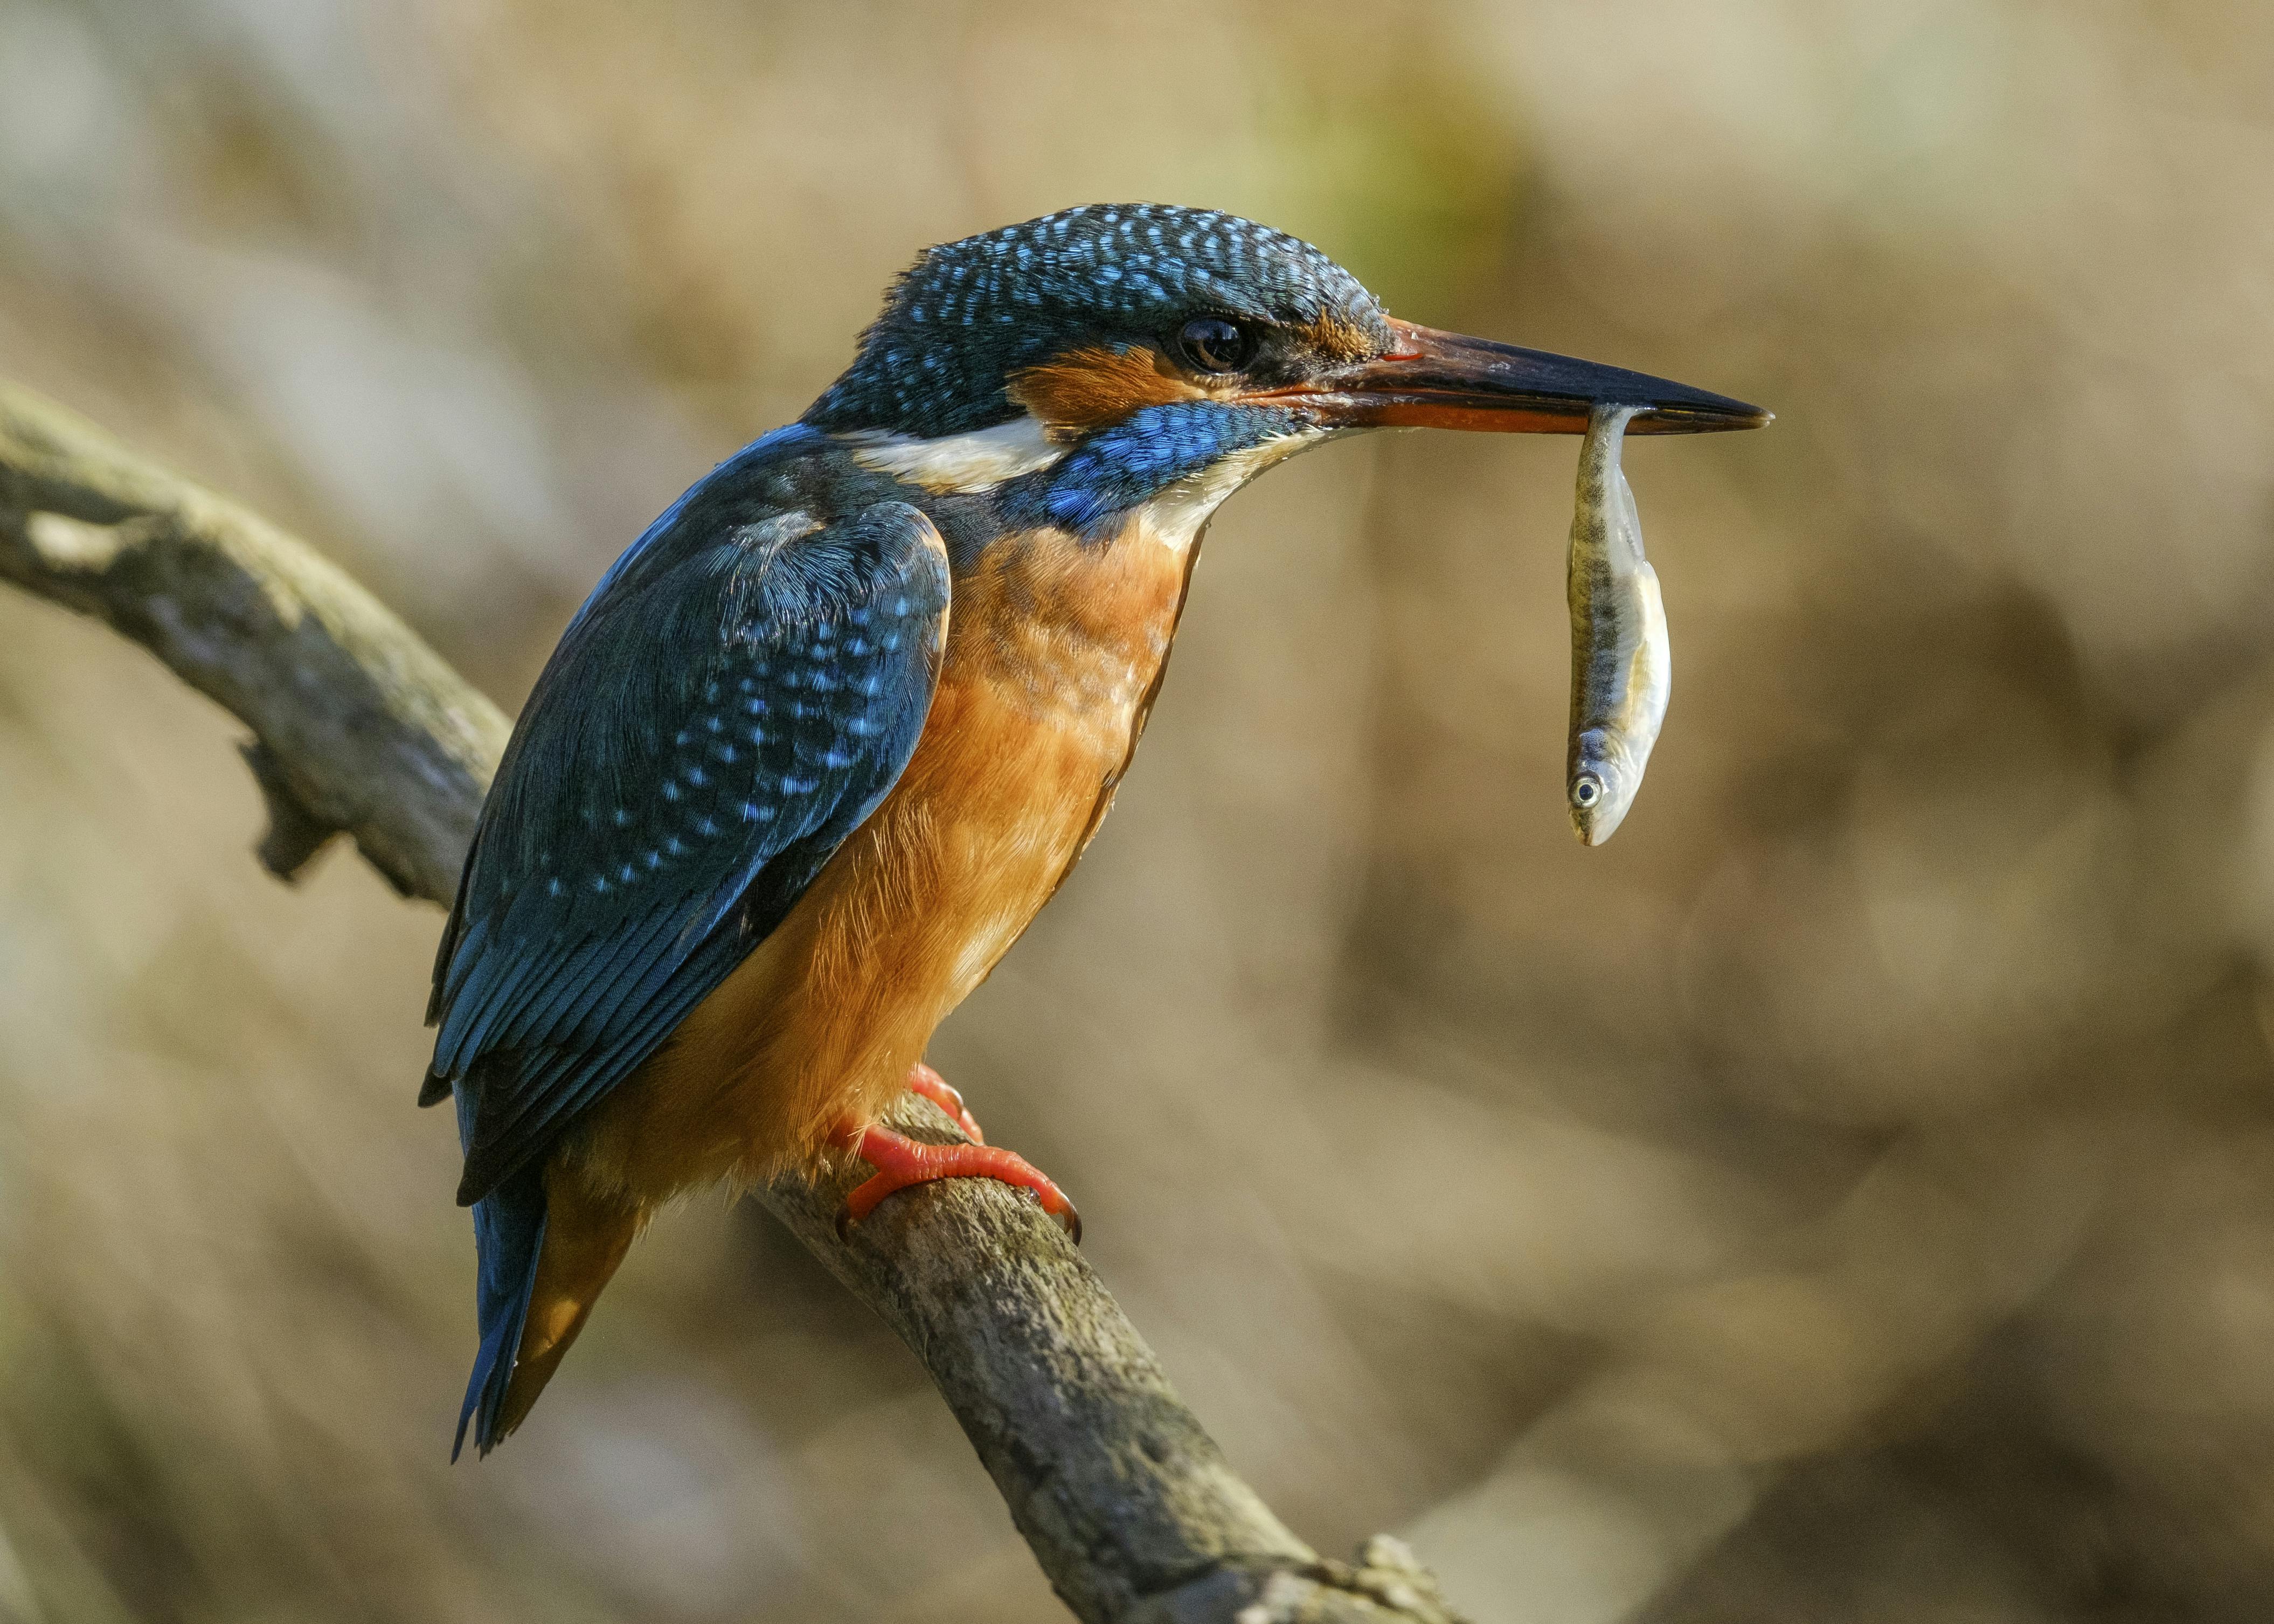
<point>933,1086</point>
<point>901,1161</point>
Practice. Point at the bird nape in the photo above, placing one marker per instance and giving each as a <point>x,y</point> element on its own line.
<point>828,735</point>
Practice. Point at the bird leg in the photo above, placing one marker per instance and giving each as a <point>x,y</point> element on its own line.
<point>901,1161</point>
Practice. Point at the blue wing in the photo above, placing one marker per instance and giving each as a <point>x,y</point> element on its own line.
<point>736,697</point>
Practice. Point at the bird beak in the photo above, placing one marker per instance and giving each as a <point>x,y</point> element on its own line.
<point>1446,380</point>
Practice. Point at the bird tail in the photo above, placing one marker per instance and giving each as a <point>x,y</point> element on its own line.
<point>509,1242</point>
<point>548,1247</point>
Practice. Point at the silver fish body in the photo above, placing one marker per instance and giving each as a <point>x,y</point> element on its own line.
<point>1621,663</point>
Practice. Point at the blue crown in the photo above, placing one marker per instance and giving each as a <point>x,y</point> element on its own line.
<point>969,313</point>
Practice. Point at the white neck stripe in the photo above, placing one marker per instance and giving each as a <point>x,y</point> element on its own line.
<point>958,464</point>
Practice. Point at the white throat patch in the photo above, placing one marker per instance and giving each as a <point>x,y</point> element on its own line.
<point>958,464</point>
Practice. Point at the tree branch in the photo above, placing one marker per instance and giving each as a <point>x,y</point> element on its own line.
<point>360,728</point>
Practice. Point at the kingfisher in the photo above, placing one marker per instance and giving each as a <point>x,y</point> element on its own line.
<point>826,738</point>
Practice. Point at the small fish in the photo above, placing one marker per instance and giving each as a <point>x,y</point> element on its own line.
<point>1621,666</point>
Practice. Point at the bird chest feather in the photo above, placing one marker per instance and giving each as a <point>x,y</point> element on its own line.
<point>1055,649</point>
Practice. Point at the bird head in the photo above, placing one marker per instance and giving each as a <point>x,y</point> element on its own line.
<point>1103,357</point>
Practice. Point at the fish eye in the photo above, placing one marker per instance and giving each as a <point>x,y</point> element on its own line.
<point>1212,344</point>
<point>1586,790</point>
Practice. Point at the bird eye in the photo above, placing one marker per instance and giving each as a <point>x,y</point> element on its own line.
<point>1211,344</point>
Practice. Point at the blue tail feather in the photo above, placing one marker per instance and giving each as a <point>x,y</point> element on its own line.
<point>509,1236</point>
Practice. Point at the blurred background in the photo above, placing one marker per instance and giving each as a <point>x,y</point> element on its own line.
<point>1849,1196</point>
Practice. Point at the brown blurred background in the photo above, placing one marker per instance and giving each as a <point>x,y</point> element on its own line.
<point>1849,1196</point>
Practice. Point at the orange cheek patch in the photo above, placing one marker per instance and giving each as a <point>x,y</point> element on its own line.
<point>1342,340</point>
<point>1088,389</point>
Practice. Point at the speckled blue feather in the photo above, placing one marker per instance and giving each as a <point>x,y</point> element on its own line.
<point>722,713</point>
<point>1132,461</point>
<point>736,697</point>
<point>969,313</point>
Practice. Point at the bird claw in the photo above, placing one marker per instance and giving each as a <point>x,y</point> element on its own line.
<point>923,1080</point>
<point>901,1161</point>
<point>1070,1220</point>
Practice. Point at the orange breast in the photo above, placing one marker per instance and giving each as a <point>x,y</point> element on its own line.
<point>1054,652</point>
